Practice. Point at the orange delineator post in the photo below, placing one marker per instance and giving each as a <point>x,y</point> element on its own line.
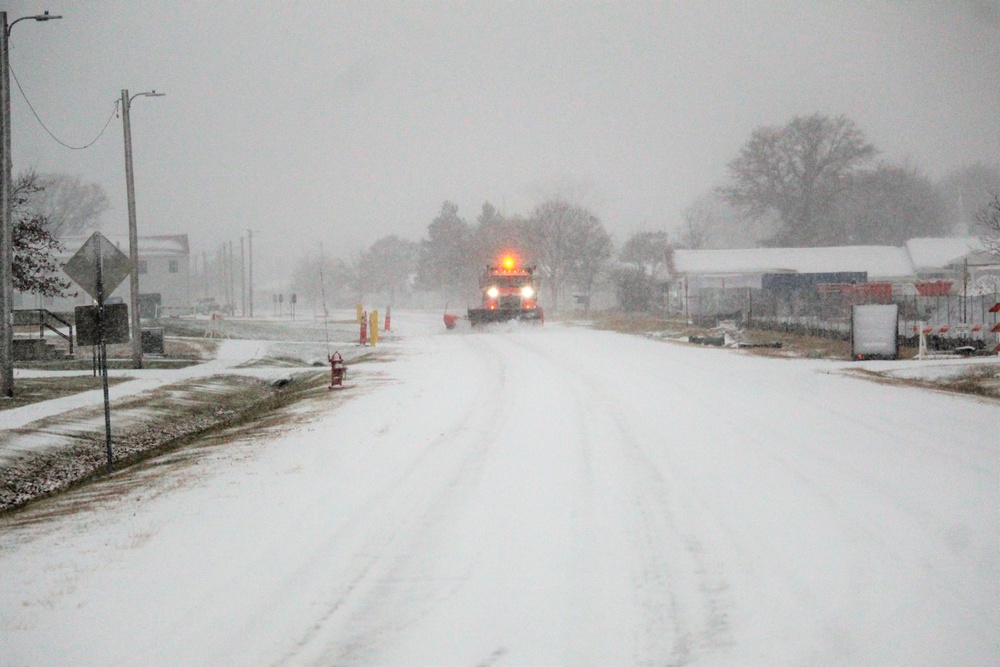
<point>373,325</point>
<point>388,314</point>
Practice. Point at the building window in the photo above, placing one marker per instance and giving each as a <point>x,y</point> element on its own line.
<point>174,267</point>
<point>142,267</point>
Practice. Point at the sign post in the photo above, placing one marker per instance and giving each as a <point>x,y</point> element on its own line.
<point>99,267</point>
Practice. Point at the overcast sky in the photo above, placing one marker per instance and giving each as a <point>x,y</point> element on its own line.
<point>342,122</point>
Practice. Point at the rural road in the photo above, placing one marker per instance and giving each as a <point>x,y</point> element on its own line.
<point>545,496</point>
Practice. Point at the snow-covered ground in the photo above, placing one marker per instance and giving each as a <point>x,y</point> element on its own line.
<point>544,496</point>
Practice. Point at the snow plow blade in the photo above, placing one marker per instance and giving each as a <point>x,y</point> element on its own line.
<point>480,316</point>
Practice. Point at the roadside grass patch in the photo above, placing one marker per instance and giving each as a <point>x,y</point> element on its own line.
<point>182,416</point>
<point>34,390</point>
<point>637,323</point>
<point>981,380</point>
<point>978,380</point>
<point>678,330</point>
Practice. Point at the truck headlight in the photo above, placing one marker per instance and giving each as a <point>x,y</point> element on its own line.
<point>493,292</point>
<point>527,291</point>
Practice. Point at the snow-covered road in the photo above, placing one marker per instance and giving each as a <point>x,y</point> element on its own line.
<point>551,496</point>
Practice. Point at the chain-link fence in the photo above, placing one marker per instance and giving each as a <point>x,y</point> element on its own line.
<point>948,320</point>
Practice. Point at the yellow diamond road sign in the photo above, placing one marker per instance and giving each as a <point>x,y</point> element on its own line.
<point>98,258</point>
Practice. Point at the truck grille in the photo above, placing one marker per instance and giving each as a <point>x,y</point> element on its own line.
<point>509,301</point>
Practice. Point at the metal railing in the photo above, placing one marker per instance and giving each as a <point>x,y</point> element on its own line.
<point>45,320</point>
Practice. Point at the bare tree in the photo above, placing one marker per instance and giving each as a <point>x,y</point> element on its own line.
<point>797,171</point>
<point>67,204</point>
<point>697,227</point>
<point>325,281</point>
<point>595,250</point>
<point>711,221</point>
<point>648,252</point>
<point>35,268</point>
<point>569,243</point>
<point>390,263</point>
<point>644,254</point>
<point>887,205</point>
<point>989,220</point>
<point>966,191</point>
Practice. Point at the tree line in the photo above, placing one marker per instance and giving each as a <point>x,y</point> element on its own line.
<point>815,181</point>
<point>566,243</point>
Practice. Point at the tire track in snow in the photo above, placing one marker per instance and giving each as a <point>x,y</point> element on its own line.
<point>679,587</point>
<point>381,596</point>
<point>859,493</point>
<point>793,490</point>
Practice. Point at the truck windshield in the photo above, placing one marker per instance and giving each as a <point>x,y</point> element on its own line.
<point>510,281</point>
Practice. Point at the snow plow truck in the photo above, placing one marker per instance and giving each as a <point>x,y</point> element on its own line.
<point>510,293</point>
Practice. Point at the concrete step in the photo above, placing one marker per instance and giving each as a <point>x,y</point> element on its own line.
<point>34,349</point>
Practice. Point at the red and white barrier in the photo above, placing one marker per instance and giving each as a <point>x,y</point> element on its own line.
<point>941,329</point>
<point>957,330</point>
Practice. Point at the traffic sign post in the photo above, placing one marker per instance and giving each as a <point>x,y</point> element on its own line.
<point>98,254</point>
<point>99,267</point>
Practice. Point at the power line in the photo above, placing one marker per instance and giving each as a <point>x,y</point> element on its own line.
<point>47,130</point>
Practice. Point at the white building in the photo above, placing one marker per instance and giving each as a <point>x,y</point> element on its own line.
<point>917,260</point>
<point>708,282</point>
<point>164,276</point>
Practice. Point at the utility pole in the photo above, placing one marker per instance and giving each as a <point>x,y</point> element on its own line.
<point>250,290</point>
<point>6,211</point>
<point>133,234</point>
<point>7,236</point>
<point>220,274</point>
<point>227,297</point>
<point>243,280</point>
<point>965,290</point>
<point>232,279</point>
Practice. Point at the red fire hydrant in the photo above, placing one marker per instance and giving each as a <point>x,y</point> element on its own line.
<point>337,370</point>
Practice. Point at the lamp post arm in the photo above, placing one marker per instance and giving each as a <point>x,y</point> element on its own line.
<point>38,17</point>
<point>151,93</point>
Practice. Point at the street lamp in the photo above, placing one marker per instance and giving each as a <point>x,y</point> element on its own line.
<point>133,235</point>
<point>7,231</point>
